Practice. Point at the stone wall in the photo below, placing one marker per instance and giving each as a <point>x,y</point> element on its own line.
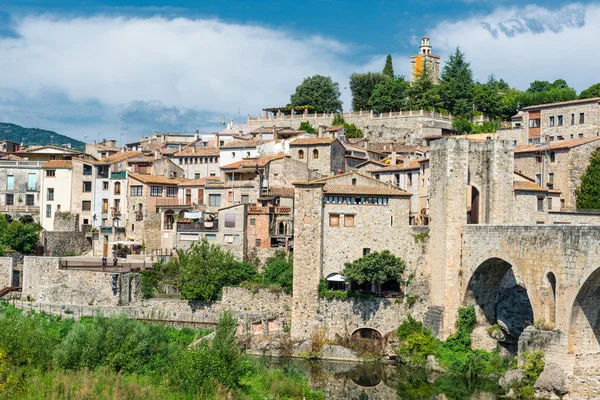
<point>6,267</point>
<point>567,130</point>
<point>65,243</point>
<point>66,222</point>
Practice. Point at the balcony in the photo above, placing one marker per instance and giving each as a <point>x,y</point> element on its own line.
<point>106,229</point>
<point>11,208</point>
<point>169,201</point>
<point>269,210</point>
<point>118,175</point>
<point>197,226</point>
<point>119,229</point>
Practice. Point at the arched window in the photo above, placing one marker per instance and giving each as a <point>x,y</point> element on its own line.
<point>117,187</point>
<point>301,154</point>
<point>315,153</point>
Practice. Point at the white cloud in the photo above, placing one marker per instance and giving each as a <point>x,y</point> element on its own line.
<point>203,65</point>
<point>528,43</point>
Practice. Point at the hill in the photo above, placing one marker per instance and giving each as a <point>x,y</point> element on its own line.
<point>36,137</point>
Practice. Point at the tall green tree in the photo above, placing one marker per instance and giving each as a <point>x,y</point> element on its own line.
<point>592,91</point>
<point>388,69</point>
<point>390,95</point>
<point>362,86</point>
<point>318,91</point>
<point>456,85</point>
<point>423,93</point>
<point>376,267</point>
<point>588,192</point>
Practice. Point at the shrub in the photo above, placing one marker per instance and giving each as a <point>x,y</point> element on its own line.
<point>416,342</point>
<point>279,270</point>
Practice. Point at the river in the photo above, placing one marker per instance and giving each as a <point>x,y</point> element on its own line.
<point>375,381</point>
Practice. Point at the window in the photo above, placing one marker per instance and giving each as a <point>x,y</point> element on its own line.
<point>228,239</point>
<point>245,198</point>
<point>549,203</point>
<point>136,190</point>
<point>257,243</point>
<point>214,200</point>
<point>572,119</point>
<point>29,199</point>
<point>353,181</point>
<point>581,118</point>
<point>366,251</point>
<point>580,136</point>
<point>252,221</point>
<point>87,169</point>
<point>551,138</point>
<point>551,122</point>
<point>540,204</point>
<point>104,205</point>
<point>156,191</point>
<point>31,182</point>
<point>301,154</point>
<point>196,176</point>
<point>10,182</point>
<point>534,123</point>
<point>550,178</point>
<point>315,153</point>
<point>552,156</point>
<point>171,192</point>
<point>348,220</point>
<point>211,237</point>
<point>87,187</point>
<point>50,196</point>
<point>538,179</point>
<point>247,154</point>
<point>10,199</point>
<point>334,220</point>
<point>229,220</point>
<point>230,197</point>
<point>560,120</point>
<point>105,185</point>
<point>50,172</point>
<point>48,211</point>
<point>117,187</point>
<point>86,205</point>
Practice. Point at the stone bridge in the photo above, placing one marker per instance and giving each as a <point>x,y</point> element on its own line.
<point>549,272</point>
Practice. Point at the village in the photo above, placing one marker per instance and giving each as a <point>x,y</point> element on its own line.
<point>488,220</point>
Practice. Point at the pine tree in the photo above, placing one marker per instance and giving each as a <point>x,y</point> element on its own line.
<point>588,192</point>
<point>388,70</point>
<point>456,86</point>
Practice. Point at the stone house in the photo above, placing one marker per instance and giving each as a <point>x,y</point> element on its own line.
<point>557,165</point>
<point>198,161</point>
<point>20,186</point>
<point>47,153</point>
<point>103,149</point>
<point>238,150</point>
<point>565,120</point>
<point>323,155</point>
<point>406,177</point>
<point>369,165</point>
<point>533,202</point>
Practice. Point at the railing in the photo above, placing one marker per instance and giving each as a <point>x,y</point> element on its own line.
<point>169,201</point>
<point>10,208</point>
<point>106,229</point>
<point>7,290</point>
<point>269,210</point>
<point>118,175</point>
<point>198,226</point>
<point>119,229</point>
<point>110,267</point>
<point>14,163</point>
<point>366,114</point>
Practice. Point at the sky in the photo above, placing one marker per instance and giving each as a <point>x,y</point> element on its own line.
<point>96,69</point>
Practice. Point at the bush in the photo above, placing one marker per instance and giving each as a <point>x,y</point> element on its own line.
<point>279,270</point>
<point>149,282</point>
<point>19,236</point>
<point>416,342</point>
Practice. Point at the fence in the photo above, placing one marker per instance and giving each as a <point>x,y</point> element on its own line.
<point>366,114</point>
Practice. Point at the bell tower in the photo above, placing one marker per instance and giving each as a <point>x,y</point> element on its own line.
<point>425,59</point>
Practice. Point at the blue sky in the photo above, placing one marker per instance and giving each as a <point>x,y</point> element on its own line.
<point>93,69</point>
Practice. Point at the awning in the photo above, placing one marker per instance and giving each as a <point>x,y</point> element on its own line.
<point>193,215</point>
<point>336,278</point>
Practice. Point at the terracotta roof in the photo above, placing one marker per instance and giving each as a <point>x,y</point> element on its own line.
<point>12,157</point>
<point>141,159</point>
<point>106,148</point>
<point>393,146</point>
<point>525,186</point>
<point>254,162</point>
<point>413,164</point>
<point>118,157</point>
<point>371,161</point>
<point>199,182</point>
<point>364,190</point>
<point>242,144</point>
<point>58,164</point>
<point>562,103</point>
<point>555,145</point>
<point>35,148</point>
<point>334,128</point>
<point>312,141</point>
<point>355,140</point>
<point>287,192</point>
<point>157,179</point>
<point>236,129</point>
<point>198,151</point>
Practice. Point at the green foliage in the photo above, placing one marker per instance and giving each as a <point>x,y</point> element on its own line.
<point>388,69</point>
<point>423,93</point>
<point>149,282</point>
<point>376,267</point>
<point>37,137</point>
<point>279,270</point>
<point>416,342</point>
<point>338,120</point>
<point>307,127</point>
<point>19,236</point>
<point>362,86</point>
<point>588,193</point>
<point>390,95</point>
<point>320,92</point>
<point>352,131</point>
<point>456,85</point>
<point>533,366</point>
<point>592,91</point>
<point>421,237</point>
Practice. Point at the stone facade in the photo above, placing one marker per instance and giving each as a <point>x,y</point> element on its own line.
<point>24,194</point>
<point>324,158</point>
<point>65,243</point>
<point>6,268</point>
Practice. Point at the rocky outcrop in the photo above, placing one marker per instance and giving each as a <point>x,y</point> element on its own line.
<point>338,353</point>
<point>513,310</point>
<point>552,382</point>
<point>434,366</point>
<point>481,339</point>
<point>511,378</point>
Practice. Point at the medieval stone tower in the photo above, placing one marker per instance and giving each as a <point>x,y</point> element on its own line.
<point>471,183</point>
<point>425,59</point>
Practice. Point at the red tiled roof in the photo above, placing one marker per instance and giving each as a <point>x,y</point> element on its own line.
<point>555,145</point>
<point>118,157</point>
<point>58,164</point>
<point>312,141</point>
<point>157,179</point>
<point>364,190</point>
<point>198,151</point>
<point>562,103</point>
<point>242,144</point>
<point>413,164</point>
<point>525,186</point>
<point>253,162</point>
<point>200,182</point>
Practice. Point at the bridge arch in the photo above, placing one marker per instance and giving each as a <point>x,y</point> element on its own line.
<point>494,287</point>
<point>584,324</point>
<point>367,332</point>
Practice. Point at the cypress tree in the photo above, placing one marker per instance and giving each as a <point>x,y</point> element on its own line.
<point>388,70</point>
<point>588,192</point>
<point>456,86</point>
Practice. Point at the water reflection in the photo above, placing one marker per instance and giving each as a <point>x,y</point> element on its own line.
<point>375,381</point>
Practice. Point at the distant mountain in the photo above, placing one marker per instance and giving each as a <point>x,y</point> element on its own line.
<point>36,137</point>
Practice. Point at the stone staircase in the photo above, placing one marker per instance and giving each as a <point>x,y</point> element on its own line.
<point>8,290</point>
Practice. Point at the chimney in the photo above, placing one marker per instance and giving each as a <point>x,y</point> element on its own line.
<point>321,129</point>
<point>393,158</point>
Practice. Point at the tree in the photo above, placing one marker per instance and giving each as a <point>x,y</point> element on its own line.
<point>318,91</point>
<point>307,127</point>
<point>350,130</point>
<point>376,267</point>
<point>279,270</point>
<point>423,93</point>
<point>338,120</point>
<point>362,86</point>
<point>592,91</point>
<point>388,69</point>
<point>456,85</point>
<point>389,95</point>
<point>19,236</point>
<point>588,192</point>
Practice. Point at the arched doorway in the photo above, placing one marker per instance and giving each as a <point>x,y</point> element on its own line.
<point>502,301</point>
<point>550,299</point>
<point>584,330</point>
<point>367,333</point>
